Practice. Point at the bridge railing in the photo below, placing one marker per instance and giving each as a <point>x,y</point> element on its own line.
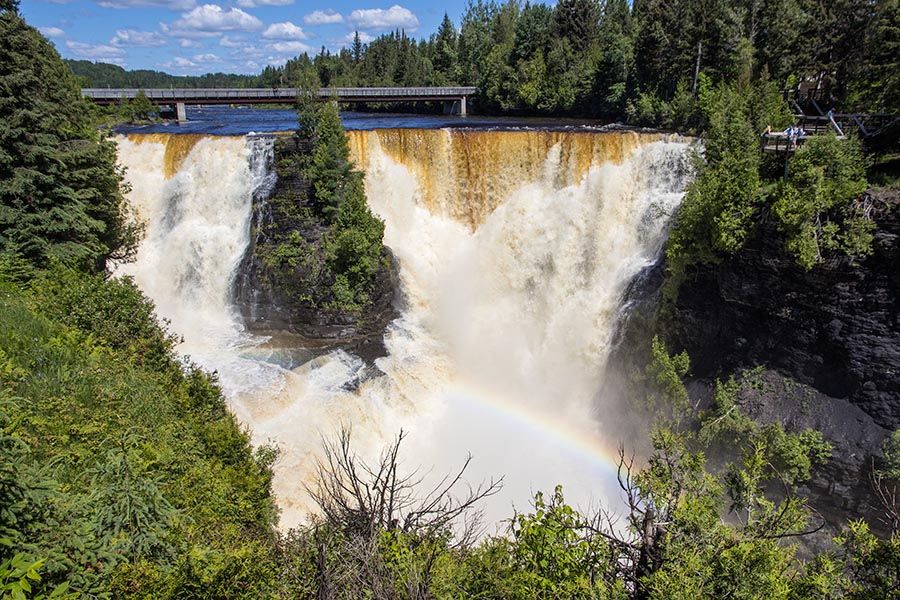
<point>238,94</point>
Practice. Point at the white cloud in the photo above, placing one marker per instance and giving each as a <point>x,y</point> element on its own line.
<point>323,17</point>
<point>207,58</point>
<point>101,53</point>
<point>179,63</point>
<point>186,43</point>
<point>247,51</point>
<point>169,4</point>
<point>211,20</point>
<point>52,31</point>
<point>395,17</point>
<point>284,31</point>
<point>364,37</point>
<point>289,48</point>
<point>133,37</point>
<point>231,42</point>
<point>255,3</point>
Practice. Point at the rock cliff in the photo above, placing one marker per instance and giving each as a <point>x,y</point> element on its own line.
<point>282,283</point>
<point>828,340</point>
<point>835,327</point>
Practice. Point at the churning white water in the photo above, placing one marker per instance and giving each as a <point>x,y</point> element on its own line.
<point>507,321</point>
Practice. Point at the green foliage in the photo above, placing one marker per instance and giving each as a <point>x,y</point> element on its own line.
<point>716,215</point>
<point>330,168</point>
<point>20,580</point>
<point>872,563</point>
<point>660,389</point>
<point>692,553</point>
<point>133,515</point>
<point>113,310</point>
<point>818,208</point>
<point>354,248</point>
<point>789,457</point>
<point>891,449</point>
<point>60,189</point>
<point>123,465</point>
<point>550,552</point>
<point>647,109</point>
<point>136,110</point>
<point>337,269</point>
<point>9,6</point>
<point>549,546</point>
<point>106,75</point>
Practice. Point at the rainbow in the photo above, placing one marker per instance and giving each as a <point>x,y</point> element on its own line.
<point>583,447</point>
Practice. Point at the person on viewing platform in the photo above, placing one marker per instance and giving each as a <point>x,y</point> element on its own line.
<point>793,132</point>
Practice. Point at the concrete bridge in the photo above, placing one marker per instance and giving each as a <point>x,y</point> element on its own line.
<point>454,98</point>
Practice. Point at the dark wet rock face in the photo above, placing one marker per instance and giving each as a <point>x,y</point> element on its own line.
<point>282,285</point>
<point>835,327</point>
<point>829,339</point>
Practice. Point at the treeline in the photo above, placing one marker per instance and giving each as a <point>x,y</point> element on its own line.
<point>604,58</point>
<point>616,59</point>
<point>102,75</point>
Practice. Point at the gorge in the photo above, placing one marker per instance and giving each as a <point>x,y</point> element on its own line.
<point>514,249</point>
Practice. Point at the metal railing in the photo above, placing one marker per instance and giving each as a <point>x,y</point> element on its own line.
<point>275,94</point>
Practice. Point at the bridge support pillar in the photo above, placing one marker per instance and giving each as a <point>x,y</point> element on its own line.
<point>455,107</point>
<point>180,113</point>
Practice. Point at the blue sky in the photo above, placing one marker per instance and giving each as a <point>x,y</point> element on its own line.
<point>188,37</point>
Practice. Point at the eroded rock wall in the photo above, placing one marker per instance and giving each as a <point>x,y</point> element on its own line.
<point>288,290</point>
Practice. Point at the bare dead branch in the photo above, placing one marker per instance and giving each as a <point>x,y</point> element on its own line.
<point>365,499</point>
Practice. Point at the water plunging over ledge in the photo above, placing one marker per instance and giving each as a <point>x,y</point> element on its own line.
<point>515,248</point>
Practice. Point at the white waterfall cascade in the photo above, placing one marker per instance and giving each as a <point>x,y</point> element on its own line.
<point>505,328</point>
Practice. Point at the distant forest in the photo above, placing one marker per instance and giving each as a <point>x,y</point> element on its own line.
<point>101,75</point>
<point>604,58</point>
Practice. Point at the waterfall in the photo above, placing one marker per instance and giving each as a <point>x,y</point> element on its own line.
<point>515,249</point>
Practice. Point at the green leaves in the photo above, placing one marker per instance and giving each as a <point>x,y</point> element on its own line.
<point>718,210</point>
<point>122,461</point>
<point>60,189</point>
<point>19,579</point>
<point>817,207</point>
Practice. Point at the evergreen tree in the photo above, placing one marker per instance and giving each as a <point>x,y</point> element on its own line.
<point>616,57</point>
<point>357,48</point>
<point>578,20</point>
<point>445,52</point>
<point>59,185</point>
<point>877,88</point>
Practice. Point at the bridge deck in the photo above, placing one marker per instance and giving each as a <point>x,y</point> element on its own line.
<point>278,95</point>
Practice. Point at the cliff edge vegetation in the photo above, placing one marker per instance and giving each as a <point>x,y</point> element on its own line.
<point>316,264</point>
<point>122,473</point>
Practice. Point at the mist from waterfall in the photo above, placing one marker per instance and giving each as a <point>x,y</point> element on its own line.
<point>515,249</point>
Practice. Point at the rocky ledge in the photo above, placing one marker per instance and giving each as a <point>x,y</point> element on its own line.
<point>828,340</point>
<point>282,283</point>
